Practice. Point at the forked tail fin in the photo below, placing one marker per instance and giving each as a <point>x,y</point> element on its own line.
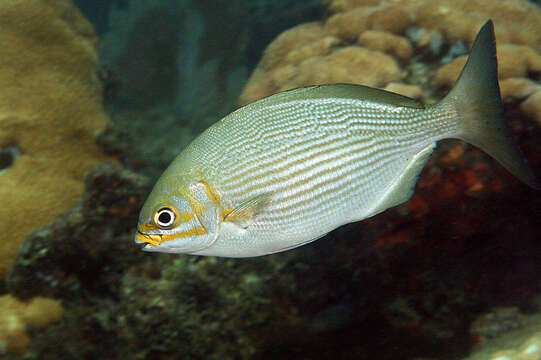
<point>477,101</point>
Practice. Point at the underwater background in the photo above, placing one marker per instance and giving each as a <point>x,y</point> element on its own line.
<point>98,97</point>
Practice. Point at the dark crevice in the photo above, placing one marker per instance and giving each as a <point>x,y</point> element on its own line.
<point>8,155</point>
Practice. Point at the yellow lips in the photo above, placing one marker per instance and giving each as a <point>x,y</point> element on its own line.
<point>156,239</point>
<point>149,239</point>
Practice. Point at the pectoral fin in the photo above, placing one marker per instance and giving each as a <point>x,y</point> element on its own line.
<point>245,214</point>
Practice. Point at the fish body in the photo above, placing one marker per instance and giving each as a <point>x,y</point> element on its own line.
<point>287,169</point>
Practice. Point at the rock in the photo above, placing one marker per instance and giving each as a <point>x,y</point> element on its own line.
<point>94,238</point>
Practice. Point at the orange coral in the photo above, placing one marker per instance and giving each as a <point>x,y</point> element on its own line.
<point>350,64</point>
<point>50,109</point>
<point>290,41</point>
<point>447,74</point>
<point>517,61</point>
<point>348,25</point>
<point>514,61</point>
<point>386,42</point>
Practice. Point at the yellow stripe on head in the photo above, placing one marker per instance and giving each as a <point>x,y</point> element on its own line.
<point>197,204</point>
<point>156,239</point>
<point>147,227</point>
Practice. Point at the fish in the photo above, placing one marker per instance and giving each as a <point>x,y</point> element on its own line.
<point>287,169</point>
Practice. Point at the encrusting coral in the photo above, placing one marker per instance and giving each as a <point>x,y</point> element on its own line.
<point>368,42</point>
<point>17,317</point>
<point>386,42</point>
<point>50,112</point>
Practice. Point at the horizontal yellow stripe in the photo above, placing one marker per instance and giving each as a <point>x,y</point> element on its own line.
<point>322,162</point>
<point>310,195</point>
<point>286,162</point>
<point>156,239</point>
<point>147,227</point>
<point>329,195</point>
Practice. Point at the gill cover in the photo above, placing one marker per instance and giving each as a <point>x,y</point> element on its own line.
<point>205,205</point>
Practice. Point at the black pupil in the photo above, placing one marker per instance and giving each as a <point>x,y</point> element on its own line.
<point>164,217</point>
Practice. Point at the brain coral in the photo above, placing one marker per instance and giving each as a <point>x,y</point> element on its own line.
<point>363,41</point>
<point>50,112</point>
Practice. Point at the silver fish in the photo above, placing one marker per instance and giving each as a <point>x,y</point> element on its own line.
<point>285,170</point>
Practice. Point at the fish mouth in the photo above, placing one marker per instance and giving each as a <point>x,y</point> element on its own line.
<point>153,242</point>
<point>152,239</point>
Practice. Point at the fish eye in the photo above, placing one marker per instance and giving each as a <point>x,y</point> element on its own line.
<point>164,217</point>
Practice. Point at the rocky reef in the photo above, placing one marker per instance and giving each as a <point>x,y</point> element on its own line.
<point>408,277</point>
<point>451,273</point>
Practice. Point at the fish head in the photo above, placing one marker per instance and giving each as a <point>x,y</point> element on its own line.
<point>180,221</point>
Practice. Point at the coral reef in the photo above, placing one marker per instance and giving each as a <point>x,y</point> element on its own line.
<point>399,29</point>
<point>514,61</point>
<point>50,112</point>
<point>409,282</point>
<point>386,42</point>
<point>408,274</point>
<point>17,317</point>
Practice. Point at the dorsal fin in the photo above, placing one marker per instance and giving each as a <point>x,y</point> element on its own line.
<point>344,91</point>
